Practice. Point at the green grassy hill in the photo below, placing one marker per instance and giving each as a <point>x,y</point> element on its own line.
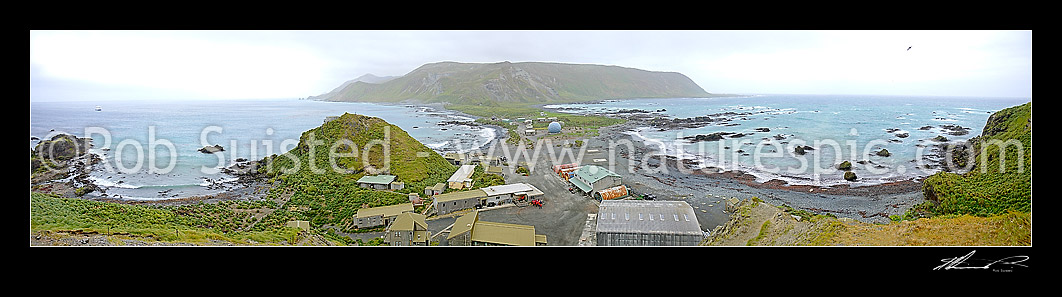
<point>327,194</point>
<point>528,82</point>
<point>1000,178</point>
<point>308,188</point>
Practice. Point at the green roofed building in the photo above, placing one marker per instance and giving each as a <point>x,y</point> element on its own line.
<point>378,182</point>
<point>591,179</point>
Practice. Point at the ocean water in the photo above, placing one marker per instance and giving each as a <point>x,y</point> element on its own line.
<point>150,148</point>
<point>839,127</point>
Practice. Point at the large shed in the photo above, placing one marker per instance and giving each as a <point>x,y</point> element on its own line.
<point>647,223</point>
<point>591,179</point>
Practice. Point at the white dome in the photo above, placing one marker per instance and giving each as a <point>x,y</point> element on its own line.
<point>554,127</point>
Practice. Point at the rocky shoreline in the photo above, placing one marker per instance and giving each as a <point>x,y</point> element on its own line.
<point>250,185</point>
<point>869,203</point>
<point>62,166</point>
<point>244,190</point>
<point>674,164</point>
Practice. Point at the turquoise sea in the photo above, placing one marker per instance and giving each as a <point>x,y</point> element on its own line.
<point>838,127</point>
<point>126,134</point>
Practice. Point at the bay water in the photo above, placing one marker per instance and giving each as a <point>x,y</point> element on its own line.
<point>838,127</point>
<point>150,148</point>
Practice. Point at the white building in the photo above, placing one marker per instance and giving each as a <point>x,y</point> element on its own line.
<point>462,178</point>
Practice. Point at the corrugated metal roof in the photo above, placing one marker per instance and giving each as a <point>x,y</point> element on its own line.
<point>643,216</point>
<point>377,179</point>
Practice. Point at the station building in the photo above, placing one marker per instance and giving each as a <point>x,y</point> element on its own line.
<point>597,182</point>
<point>486,196</point>
<point>380,216</point>
<point>647,223</point>
<point>408,229</point>
<point>468,230</point>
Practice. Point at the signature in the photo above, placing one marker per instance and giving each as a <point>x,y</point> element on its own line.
<point>966,262</point>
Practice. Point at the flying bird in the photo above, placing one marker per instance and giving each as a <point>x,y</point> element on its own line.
<point>908,48</point>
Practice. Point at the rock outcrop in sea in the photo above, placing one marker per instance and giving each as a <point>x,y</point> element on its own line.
<point>845,166</point>
<point>850,176</point>
<point>52,161</point>
<point>212,149</point>
<point>883,153</point>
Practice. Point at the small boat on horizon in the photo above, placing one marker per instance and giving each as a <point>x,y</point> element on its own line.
<point>98,108</point>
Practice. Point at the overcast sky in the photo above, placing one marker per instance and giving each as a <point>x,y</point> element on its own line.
<point>145,65</point>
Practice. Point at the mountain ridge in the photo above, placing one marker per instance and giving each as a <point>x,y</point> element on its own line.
<point>365,78</point>
<point>519,82</point>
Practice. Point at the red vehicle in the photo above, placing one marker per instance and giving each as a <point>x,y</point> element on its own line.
<point>537,202</point>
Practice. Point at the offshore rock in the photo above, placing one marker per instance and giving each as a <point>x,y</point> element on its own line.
<point>212,149</point>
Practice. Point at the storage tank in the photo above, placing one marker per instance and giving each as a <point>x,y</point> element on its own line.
<point>554,127</point>
<point>619,191</point>
<point>567,172</point>
<point>557,168</point>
